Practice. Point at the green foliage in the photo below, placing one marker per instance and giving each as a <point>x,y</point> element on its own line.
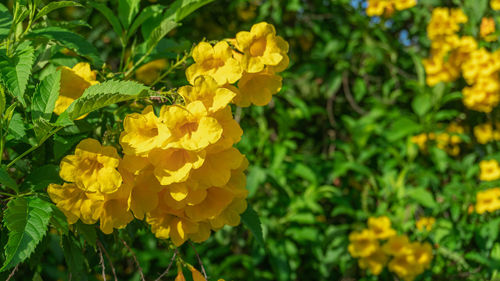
<point>15,70</point>
<point>45,96</point>
<point>27,220</point>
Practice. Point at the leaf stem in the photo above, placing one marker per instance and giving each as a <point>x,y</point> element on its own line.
<point>34,147</point>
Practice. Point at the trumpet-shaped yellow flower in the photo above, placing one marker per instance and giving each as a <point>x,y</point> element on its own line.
<point>488,200</point>
<point>116,210</point>
<point>174,165</point>
<point>487,28</point>
<point>216,169</point>
<point>216,61</point>
<point>149,72</point>
<point>93,167</point>
<point>445,22</point>
<point>206,90</point>
<point>381,227</point>
<point>257,88</point>
<point>191,126</point>
<point>231,131</point>
<point>261,46</point>
<point>74,81</point>
<point>490,170</point>
<point>495,4</point>
<point>397,245</point>
<point>362,243</point>
<point>484,95</point>
<point>483,133</point>
<point>143,133</point>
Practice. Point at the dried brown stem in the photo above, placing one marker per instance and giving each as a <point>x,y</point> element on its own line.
<point>99,244</point>
<point>12,273</point>
<point>101,262</point>
<point>168,267</point>
<point>135,260</point>
<point>199,260</point>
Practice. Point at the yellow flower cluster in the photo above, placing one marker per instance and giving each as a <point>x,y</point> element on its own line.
<point>180,170</point>
<point>485,133</point>
<point>387,7</point>
<point>452,55</point>
<point>252,59</point>
<point>488,200</point>
<point>448,141</point>
<point>408,259</point>
<point>490,170</point>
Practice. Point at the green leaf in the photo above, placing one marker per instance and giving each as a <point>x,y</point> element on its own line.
<point>15,71</point>
<point>59,220</point>
<point>87,231</point>
<point>41,177</point>
<point>146,13</point>
<point>423,197</point>
<point>45,96</point>
<point>17,130</point>
<point>251,220</point>
<point>54,6</point>
<point>5,21</point>
<point>2,100</point>
<point>27,220</point>
<point>70,40</point>
<point>182,8</point>
<point>421,104</point>
<point>104,94</point>
<point>6,180</point>
<point>401,128</point>
<point>110,16</point>
<point>159,32</point>
<point>127,10</point>
<point>75,260</point>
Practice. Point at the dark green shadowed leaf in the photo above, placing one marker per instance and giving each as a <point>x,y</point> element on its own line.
<point>183,8</point>
<point>6,180</point>
<point>127,10</point>
<point>251,220</point>
<point>54,6</point>
<point>27,220</point>
<point>70,40</point>
<point>5,21</point>
<point>74,259</point>
<point>110,16</point>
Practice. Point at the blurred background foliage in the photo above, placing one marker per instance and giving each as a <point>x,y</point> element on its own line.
<point>332,149</point>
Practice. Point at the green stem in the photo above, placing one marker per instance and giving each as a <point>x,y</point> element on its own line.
<point>170,69</point>
<point>33,147</point>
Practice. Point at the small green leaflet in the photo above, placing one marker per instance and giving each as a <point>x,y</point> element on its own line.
<point>251,220</point>
<point>27,219</point>
<point>54,6</point>
<point>16,70</point>
<point>5,21</point>
<point>6,180</point>
<point>104,94</point>
<point>45,96</point>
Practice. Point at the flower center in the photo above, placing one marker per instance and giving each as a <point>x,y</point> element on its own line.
<point>258,47</point>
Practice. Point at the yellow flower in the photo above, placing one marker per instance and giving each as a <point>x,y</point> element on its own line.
<point>257,88</point>
<point>425,223</point>
<point>149,72</point>
<point>374,262</point>
<point>74,81</point>
<point>484,95</point>
<point>93,167</point>
<point>262,47</point>
<point>174,165</point>
<point>490,170</point>
<point>216,61</point>
<point>231,131</point>
<point>397,245</point>
<point>196,274</point>
<point>402,267</point>
<point>379,8</point>
<point>191,127</point>
<point>445,22</point>
<point>481,63</point>
<point>216,169</point>
<point>76,203</point>
<point>116,210</point>
<point>143,132</point>
<point>206,90</point>
<point>483,133</point>
<point>495,4</point>
<point>420,140</point>
<point>487,200</point>
<point>362,243</point>
<point>404,4</point>
<point>381,227</point>
<point>487,28</point>
<point>421,256</point>
<point>180,276</point>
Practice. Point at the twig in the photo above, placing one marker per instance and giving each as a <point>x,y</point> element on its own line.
<point>168,267</point>
<point>348,95</point>
<point>101,262</point>
<point>99,244</point>
<point>199,260</point>
<point>135,260</point>
<point>12,273</point>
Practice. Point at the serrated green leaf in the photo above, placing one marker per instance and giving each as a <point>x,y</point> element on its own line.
<point>145,14</point>
<point>75,260</point>
<point>27,219</point>
<point>104,94</point>
<point>6,180</point>
<point>5,21</point>
<point>70,40</point>
<point>110,16</point>
<point>127,10</point>
<point>16,70</point>
<point>59,220</point>
<point>16,130</point>
<point>251,220</point>
<point>45,96</point>
<point>423,197</point>
<point>41,177</point>
<point>159,32</point>
<point>183,8</point>
<point>54,6</point>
